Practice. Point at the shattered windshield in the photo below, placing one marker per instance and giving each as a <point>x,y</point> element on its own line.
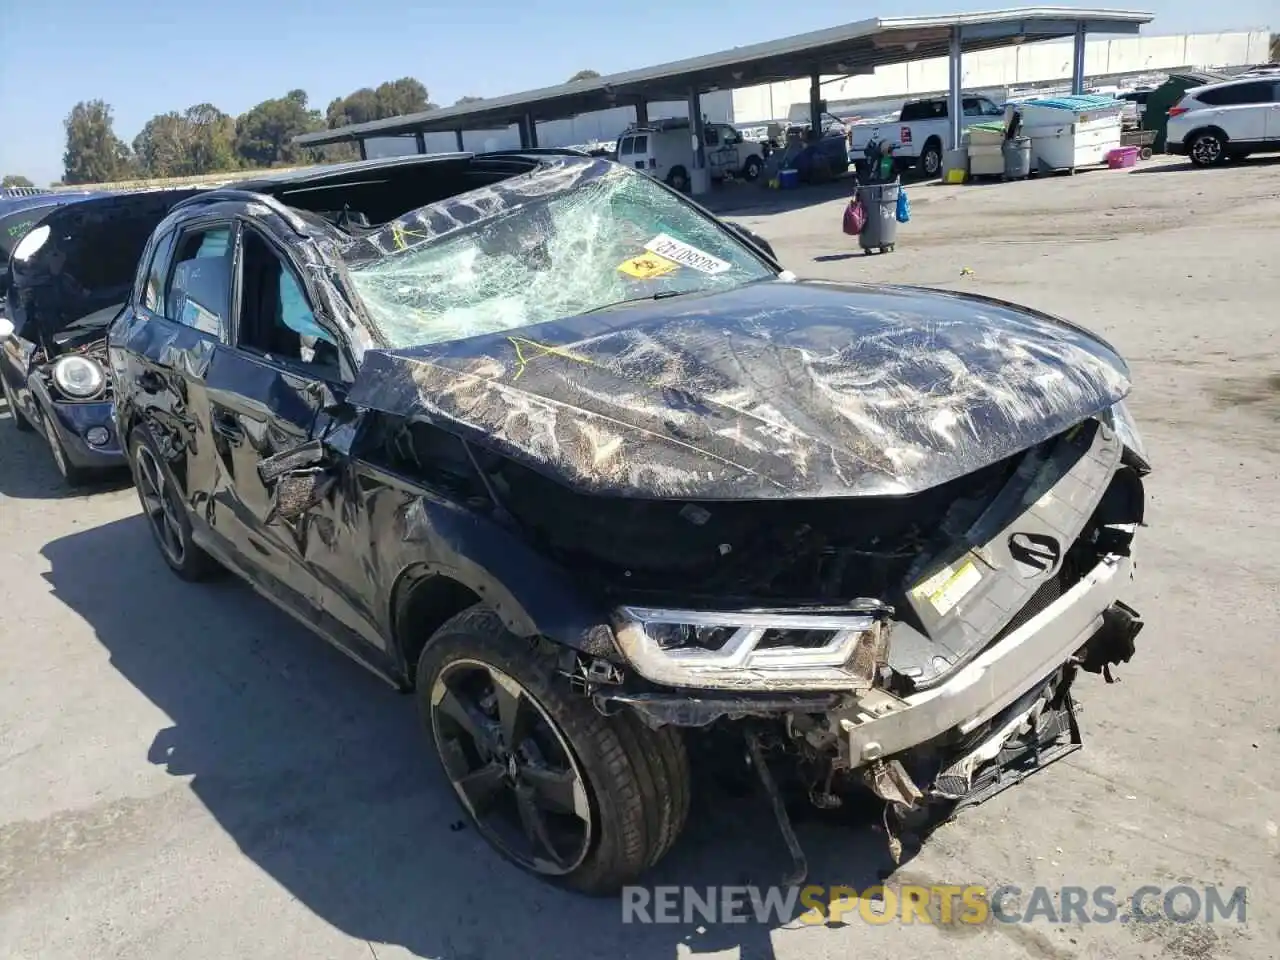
<point>618,238</point>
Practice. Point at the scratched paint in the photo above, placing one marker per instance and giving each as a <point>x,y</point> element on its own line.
<point>764,391</point>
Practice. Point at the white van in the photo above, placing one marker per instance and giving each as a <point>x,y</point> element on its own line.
<point>664,150</point>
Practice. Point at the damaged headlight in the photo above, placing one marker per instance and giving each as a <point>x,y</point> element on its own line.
<point>1127,430</point>
<point>689,648</point>
<point>81,378</point>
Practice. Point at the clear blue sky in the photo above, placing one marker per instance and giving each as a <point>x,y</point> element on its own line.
<point>145,58</point>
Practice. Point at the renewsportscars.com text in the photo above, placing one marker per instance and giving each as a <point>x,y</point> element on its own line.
<point>973,904</point>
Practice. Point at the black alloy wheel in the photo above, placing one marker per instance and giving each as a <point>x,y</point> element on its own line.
<point>581,799</point>
<point>163,508</point>
<point>511,767</point>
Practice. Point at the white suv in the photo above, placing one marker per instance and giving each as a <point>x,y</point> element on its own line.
<point>1219,121</point>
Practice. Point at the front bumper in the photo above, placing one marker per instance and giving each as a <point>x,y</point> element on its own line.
<point>875,724</point>
<point>879,725</point>
<point>72,422</point>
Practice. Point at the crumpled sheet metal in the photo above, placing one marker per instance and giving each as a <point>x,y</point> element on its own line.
<point>768,390</point>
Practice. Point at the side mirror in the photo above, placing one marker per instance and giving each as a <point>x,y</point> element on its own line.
<point>302,457</point>
<point>6,328</point>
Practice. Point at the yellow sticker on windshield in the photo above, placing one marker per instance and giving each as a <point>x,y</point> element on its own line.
<point>646,266</point>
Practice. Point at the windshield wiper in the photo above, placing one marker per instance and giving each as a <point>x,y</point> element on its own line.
<point>660,295</point>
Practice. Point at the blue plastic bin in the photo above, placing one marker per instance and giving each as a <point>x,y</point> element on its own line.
<point>788,179</point>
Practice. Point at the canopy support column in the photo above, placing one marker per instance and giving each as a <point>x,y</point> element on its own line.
<point>954,88</point>
<point>1077,60</point>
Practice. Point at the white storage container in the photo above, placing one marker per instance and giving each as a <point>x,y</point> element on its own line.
<point>1070,132</point>
<point>986,159</point>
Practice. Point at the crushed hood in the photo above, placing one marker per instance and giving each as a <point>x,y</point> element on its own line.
<point>765,391</point>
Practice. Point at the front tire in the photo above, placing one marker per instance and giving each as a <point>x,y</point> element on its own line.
<point>678,179</point>
<point>578,798</point>
<point>1207,149</point>
<point>20,423</point>
<point>751,169</point>
<point>72,475</point>
<point>164,511</point>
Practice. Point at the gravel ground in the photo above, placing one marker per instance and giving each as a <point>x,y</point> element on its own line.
<point>186,773</point>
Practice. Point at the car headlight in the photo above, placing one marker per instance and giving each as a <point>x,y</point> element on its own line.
<point>79,377</point>
<point>753,651</point>
<point>30,243</point>
<point>1127,430</point>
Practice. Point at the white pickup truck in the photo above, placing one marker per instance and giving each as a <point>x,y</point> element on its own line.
<point>921,131</point>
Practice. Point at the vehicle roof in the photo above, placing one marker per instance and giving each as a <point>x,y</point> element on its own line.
<point>1233,82</point>
<point>336,172</point>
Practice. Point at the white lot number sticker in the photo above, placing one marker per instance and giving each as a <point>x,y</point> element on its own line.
<point>685,255</point>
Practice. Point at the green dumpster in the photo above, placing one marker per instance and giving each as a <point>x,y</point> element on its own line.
<point>1155,115</point>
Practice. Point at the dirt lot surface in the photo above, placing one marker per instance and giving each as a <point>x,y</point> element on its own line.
<point>186,773</point>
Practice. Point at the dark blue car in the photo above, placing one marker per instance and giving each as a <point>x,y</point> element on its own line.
<point>69,265</point>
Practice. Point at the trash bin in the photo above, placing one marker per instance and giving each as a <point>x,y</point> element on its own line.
<point>880,201</point>
<point>1017,158</point>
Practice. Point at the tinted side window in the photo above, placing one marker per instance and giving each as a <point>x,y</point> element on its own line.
<point>641,145</point>
<point>712,136</point>
<point>153,291</point>
<point>1240,93</point>
<point>924,110</point>
<point>971,107</point>
<point>625,146</point>
<point>199,292</point>
<point>275,318</point>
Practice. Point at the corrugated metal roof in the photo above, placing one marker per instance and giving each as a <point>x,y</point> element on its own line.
<point>846,49</point>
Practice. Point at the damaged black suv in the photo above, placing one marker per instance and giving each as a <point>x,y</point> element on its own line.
<point>541,439</point>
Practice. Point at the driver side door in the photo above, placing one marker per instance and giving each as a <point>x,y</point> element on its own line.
<point>265,394</point>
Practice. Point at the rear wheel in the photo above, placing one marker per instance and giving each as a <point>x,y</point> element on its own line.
<point>20,423</point>
<point>678,179</point>
<point>163,508</point>
<point>1207,148</point>
<point>562,791</point>
<point>751,169</point>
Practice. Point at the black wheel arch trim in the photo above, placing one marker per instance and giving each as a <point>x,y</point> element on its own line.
<point>533,598</point>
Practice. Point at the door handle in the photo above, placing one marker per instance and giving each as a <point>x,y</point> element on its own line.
<point>226,424</point>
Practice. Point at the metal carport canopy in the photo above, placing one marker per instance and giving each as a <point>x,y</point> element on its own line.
<point>847,49</point>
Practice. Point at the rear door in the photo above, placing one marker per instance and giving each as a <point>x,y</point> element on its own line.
<point>1273,116</point>
<point>164,348</point>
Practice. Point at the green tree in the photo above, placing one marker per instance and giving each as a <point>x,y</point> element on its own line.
<point>359,106</point>
<point>264,134</point>
<point>584,75</point>
<point>94,153</point>
<point>15,180</point>
<point>200,140</point>
<point>395,98</point>
<point>467,99</point>
<point>162,148</point>
<point>399,98</point>
<point>212,142</point>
